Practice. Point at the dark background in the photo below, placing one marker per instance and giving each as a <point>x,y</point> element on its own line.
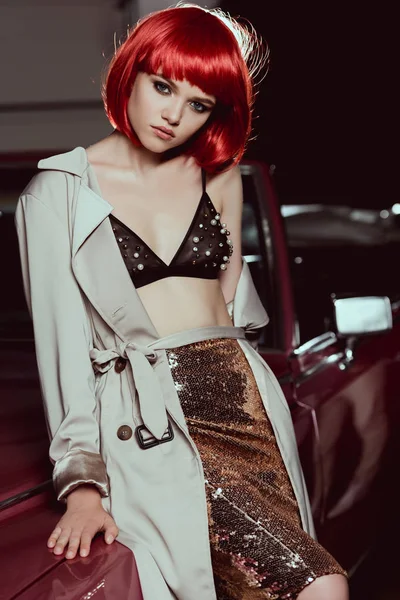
<point>324,110</point>
<point>326,116</point>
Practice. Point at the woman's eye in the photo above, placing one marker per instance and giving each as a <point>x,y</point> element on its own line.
<point>199,107</point>
<point>161,87</point>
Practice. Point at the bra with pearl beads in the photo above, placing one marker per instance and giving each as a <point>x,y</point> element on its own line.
<point>203,253</point>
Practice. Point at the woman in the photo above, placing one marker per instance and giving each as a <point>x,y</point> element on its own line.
<point>168,430</point>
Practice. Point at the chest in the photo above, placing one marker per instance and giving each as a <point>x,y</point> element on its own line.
<point>161,214</point>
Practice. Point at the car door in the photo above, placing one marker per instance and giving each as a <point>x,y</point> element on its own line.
<point>265,250</point>
<point>350,387</point>
<point>343,412</point>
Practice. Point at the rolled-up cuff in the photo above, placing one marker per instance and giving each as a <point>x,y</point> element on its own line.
<point>79,467</point>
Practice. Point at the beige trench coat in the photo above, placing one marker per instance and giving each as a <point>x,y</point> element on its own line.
<point>87,315</point>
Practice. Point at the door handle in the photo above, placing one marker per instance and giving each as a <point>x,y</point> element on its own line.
<point>348,357</point>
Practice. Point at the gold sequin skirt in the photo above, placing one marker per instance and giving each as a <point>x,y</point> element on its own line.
<point>258,547</point>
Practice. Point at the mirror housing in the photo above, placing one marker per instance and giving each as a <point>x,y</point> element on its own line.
<point>362,315</point>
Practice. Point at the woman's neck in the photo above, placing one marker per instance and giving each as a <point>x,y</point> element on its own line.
<point>127,156</point>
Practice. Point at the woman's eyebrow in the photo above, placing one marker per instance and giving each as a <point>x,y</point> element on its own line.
<point>200,99</point>
<point>171,83</point>
<point>204,100</point>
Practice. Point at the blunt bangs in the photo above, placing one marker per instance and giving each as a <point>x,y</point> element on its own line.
<point>203,51</point>
<point>197,45</point>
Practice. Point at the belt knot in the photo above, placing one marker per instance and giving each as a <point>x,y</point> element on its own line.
<point>150,394</point>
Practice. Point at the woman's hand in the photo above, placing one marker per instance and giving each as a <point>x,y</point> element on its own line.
<point>84,517</point>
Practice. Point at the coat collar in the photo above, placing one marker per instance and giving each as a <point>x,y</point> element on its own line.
<point>75,162</point>
<point>91,208</point>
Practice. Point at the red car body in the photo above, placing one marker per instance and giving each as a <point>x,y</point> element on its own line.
<point>344,414</point>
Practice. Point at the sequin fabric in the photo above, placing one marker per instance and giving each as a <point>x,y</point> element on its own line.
<point>258,547</point>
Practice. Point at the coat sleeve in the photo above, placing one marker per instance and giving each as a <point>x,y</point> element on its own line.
<point>246,309</point>
<point>62,342</point>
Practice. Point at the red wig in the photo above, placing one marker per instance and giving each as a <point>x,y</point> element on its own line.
<point>204,47</point>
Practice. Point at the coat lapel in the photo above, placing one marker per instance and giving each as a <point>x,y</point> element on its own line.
<point>102,274</point>
<point>96,259</point>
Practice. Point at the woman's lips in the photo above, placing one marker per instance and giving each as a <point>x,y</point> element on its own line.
<point>162,134</point>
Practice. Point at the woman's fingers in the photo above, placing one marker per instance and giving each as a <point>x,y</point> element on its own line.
<point>110,530</point>
<point>86,539</point>
<point>62,540</point>
<point>73,545</point>
<point>77,529</point>
<point>74,539</point>
<point>54,537</point>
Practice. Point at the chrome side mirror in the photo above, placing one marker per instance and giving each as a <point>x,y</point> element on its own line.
<point>362,315</point>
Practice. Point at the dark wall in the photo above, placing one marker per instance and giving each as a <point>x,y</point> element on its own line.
<point>322,114</point>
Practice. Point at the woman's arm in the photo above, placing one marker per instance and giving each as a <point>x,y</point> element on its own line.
<point>243,302</point>
<point>62,342</point>
<point>231,214</point>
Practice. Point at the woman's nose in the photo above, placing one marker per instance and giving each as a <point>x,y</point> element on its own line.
<point>173,112</point>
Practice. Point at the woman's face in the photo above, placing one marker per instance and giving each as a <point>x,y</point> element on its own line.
<point>165,113</point>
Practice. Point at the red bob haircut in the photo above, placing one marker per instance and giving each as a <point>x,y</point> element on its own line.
<point>208,49</point>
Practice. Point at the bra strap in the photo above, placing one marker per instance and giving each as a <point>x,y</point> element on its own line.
<point>203,179</point>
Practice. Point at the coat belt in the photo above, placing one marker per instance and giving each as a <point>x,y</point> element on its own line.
<point>141,359</point>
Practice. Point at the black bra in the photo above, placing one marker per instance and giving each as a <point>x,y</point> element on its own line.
<point>204,250</point>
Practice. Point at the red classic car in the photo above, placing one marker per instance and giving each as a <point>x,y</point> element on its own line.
<point>333,342</point>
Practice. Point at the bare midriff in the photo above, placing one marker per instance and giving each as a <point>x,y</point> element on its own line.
<point>176,304</point>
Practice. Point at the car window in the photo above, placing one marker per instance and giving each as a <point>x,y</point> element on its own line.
<point>15,322</point>
<point>21,409</point>
<point>333,254</point>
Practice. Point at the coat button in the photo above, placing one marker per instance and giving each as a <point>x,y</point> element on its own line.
<point>124,432</point>
<point>120,364</point>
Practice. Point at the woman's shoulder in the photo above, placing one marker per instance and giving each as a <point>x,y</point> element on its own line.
<point>226,185</point>
<point>51,185</point>
<point>228,177</point>
<point>44,182</point>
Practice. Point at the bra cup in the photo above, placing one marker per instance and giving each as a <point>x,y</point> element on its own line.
<point>207,250</point>
<point>201,253</point>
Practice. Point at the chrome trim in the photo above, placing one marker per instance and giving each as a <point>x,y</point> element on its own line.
<point>249,258</point>
<point>290,210</point>
<point>395,305</point>
<point>8,209</point>
<point>316,344</point>
<point>360,561</point>
<point>328,360</point>
<point>26,494</point>
<point>246,169</point>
